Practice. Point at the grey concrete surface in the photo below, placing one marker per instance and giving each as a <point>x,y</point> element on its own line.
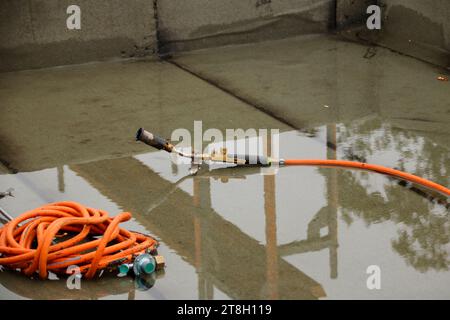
<point>3,169</point>
<point>186,25</point>
<point>318,79</point>
<point>34,34</point>
<point>98,108</point>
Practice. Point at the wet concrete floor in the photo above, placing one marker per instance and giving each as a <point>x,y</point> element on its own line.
<point>235,233</point>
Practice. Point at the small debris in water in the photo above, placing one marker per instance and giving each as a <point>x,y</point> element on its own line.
<point>442,78</point>
<point>325,106</point>
<point>7,193</point>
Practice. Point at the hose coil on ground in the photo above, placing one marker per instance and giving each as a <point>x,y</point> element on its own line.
<point>58,235</point>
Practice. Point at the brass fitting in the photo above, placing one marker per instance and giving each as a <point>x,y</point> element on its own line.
<point>223,156</point>
<point>160,262</point>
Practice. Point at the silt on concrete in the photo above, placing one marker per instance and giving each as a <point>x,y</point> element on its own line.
<point>320,79</point>
<point>81,113</point>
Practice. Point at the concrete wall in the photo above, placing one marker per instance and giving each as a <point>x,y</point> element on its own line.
<point>422,21</point>
<point>185,25</point>
<point>418,28</point>
<point>34,34</point>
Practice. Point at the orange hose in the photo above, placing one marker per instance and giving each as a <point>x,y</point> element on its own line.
<point>370,167</point>
<point>30,246</point>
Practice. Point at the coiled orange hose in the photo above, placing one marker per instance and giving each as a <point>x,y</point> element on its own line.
<point>27,242</point>
<point>370,167</point>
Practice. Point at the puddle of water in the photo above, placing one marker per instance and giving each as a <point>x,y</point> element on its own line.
<point>234,233</point>
<point>304,233</point>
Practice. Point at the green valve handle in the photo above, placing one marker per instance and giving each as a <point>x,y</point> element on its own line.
<point>144,264</point>
<point>124,268</point>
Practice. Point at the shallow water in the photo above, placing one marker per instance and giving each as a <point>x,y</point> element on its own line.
<point>302,233</point>
<point>241,233</point>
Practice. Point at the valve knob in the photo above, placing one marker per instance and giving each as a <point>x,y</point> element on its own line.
<point>144,264</point>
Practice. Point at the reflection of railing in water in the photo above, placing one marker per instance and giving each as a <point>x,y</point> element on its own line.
<point>200,208</point>
<point>325,217</point>
<point>224,256</point>
<point>228,258</point>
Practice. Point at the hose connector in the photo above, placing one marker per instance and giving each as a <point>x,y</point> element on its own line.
<point>143,264</point>
<point>256,160</point>
<point>153,140</point>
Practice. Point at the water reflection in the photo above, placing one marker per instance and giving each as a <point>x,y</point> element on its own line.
<point>423,234</point>
<point>231,263</point>
<point>224,256</point>
<point>103,287</point>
